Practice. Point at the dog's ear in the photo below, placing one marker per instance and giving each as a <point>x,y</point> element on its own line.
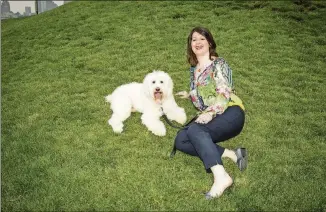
<point>146,86</point>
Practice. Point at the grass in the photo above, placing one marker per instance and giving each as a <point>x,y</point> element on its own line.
<point>58,153</point>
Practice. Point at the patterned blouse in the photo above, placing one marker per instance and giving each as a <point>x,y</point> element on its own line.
<point>211,91</point>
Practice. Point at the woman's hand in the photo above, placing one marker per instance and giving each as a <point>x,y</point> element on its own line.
<point>204,118</point>
<point>183,94</point>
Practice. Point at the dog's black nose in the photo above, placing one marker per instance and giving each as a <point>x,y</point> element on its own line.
<point>157,89</point>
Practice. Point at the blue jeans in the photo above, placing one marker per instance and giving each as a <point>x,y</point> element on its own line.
<point>201,139</point>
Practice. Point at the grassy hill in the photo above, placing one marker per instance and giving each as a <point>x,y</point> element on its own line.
<point>58,153</point>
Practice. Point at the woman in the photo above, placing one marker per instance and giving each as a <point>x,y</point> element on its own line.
<point>221,113</point>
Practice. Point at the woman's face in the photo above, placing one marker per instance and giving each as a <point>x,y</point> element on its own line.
<point>199,44</point>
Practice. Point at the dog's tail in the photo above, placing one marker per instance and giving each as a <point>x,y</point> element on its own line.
<point>108,98</point>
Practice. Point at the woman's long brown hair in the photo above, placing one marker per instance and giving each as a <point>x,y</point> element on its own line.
<point>191,57</point>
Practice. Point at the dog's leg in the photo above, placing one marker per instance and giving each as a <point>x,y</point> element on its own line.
<point>153,123</point>
<point>116,122</point>
<point>174,112</point>
<point>121,108</point>
<point>177,114</point>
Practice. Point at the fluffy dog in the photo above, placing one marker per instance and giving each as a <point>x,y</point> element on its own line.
<point>148,98</point>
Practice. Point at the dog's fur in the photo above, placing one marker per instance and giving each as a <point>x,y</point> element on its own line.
<point>148,98</point>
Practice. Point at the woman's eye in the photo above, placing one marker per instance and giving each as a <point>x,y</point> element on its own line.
<point>153,82</point>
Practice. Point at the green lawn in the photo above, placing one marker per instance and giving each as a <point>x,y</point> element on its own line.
<point>59,154</point>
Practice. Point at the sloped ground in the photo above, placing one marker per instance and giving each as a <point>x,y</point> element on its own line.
<point>59,154</point>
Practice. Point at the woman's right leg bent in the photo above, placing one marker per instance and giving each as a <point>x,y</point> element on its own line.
<point>196,141</point>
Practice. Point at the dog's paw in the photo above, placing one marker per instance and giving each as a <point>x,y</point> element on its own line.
<point>117,128</point>
<point>181,117</point>
<point>160,133</point>
<point>159,130</point>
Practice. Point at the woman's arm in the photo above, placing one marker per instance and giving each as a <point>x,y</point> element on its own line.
<point>183,94</point>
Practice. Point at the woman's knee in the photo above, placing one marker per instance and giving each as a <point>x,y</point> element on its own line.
<point>181,137</point>
<point>185,135</point>
<point>181,142</point>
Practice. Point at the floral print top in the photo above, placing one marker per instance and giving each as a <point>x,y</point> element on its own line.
<point>211,90</point>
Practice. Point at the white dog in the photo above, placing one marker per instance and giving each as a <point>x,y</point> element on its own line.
<point>148,98</point>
